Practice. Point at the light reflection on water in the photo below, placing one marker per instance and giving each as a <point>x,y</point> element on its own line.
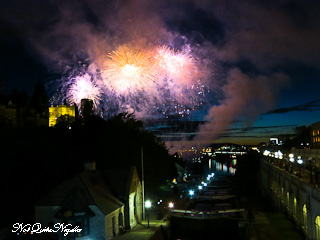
<point>224,168</point>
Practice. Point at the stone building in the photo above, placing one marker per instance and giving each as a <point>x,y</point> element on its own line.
<point>315,135</point>
<point>58,111</point>
<point>85,201</point>
<point>125,185</point>
<point>290,194</point>
<point>8,115</point>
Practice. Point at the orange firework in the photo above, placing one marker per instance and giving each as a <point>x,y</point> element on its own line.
<point>128,72</point>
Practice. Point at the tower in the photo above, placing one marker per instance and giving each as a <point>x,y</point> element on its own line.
<point>86,108</point>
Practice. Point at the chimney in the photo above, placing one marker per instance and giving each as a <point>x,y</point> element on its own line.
<point>90,166</point>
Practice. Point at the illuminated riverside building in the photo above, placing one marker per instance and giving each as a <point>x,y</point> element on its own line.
<point>294,195</point>
<point>315,135</point>
<point>58,111</point>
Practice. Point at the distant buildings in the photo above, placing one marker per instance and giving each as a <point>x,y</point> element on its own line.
<point>315,135</point>
<point>58,111</point>
<point>67,111</point>
<point>8,115</point>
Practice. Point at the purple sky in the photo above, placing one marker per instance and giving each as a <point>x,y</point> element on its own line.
<point>261,58</point>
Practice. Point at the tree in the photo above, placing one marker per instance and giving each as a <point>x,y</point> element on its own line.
<point>39,99</point>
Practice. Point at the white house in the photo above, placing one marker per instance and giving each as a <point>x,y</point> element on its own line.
<point>84,201</point>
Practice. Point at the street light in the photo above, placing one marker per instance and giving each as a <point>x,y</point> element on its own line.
<point>171,205</point>
<point>148,206</point>
<point>299,161</point>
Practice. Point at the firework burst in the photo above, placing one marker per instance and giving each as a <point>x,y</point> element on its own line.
<point>84,87</point>
<point>178,66</point>
<point>129,72</point>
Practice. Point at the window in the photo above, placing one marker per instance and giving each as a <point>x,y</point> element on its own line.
<point>318,228</point>
<point>120,220</point>
<point>288,200</point>
<point>295,207</point>
<point>304,216</point>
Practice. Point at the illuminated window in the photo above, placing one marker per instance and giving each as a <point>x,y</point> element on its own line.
<point>288,199</point>
<point>304,216</point>
<point>318,228</point>
<point>295,207</point>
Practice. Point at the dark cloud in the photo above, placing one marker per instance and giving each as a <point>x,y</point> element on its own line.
<point>249,129</point>
<point>309,106</point>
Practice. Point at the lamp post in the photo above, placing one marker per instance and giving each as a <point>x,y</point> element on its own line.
<point>142,185</point>
<point>148,206</point>
<point>299,161</point>
<point>311,178</point>
<point>291,159</point>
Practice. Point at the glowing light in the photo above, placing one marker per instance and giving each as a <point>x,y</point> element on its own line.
<point>266,152</point>
<point>171,205</point>
<point>200,187</point>
<point>191,192</point>
<point>148,204</point>
<point>128,72</point>
<point>84,87</point>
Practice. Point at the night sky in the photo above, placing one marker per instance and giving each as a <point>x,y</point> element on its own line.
<point>262,57</point>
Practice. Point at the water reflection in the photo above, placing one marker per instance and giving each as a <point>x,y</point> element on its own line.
<point>224,168</point>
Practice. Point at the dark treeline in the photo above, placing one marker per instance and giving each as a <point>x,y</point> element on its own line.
<point>35,159</point>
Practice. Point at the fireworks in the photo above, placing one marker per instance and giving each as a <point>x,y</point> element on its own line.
<point>128,72</point>
<point>84,87</point>
<point>178,66</point>
<point>162,81</point>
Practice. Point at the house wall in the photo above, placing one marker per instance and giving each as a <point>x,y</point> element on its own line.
<point>45,214</point>
<point>109,229</point>
<point>135,201</point>
<point>96,223</point>
<point>289,194</point>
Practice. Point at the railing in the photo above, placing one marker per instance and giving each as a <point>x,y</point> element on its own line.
<point>206,213</point>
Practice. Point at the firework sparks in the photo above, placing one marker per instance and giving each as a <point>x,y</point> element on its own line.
<point>84,87</point>
<point>178,66</point>
<point>128,72</point>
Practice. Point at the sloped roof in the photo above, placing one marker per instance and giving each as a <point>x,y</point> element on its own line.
<point>119,180</point>
<point>93,189</point>
<point>61,193</point>
<point>75,205</point>
<point>100,192</point>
